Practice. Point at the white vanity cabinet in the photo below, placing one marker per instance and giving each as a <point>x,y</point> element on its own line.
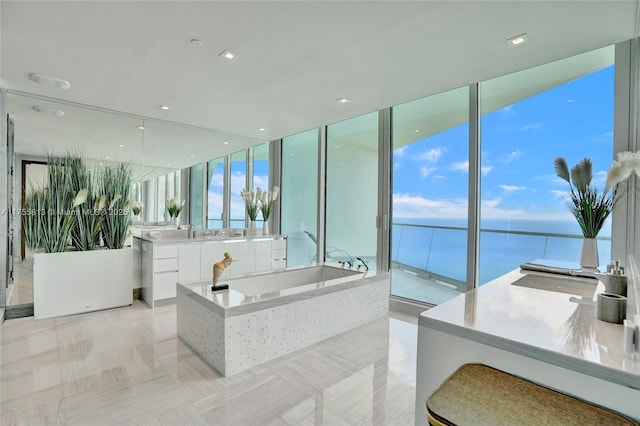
<point>250,256</point>
<point>159,271</point>
<point>188,263</point>
<point>210,253</point>
<point>164,263</point>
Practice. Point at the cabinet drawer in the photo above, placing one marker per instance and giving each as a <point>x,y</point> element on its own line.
<point>278,265</point>
<point>164,265</point>
<point>278,254</point>
<point>164,285</point>
<point>163,252</point>
<point>280,244</point>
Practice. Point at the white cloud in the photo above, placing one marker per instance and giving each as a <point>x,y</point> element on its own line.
<point>532,126</point>
<point>405,205</point>
<point>261,182</point>
<point>462,166</point>
<point>399,152</point>
<point>571,100</point>
<point>432,155</point>
<point>512,188</point>
<point>408,206</point>
<point>559,194</point>
<point>508,111</point>
<point>217,181</point>
<point>599,178</point>
<point>485,170</point>
<point>512,156</point>
<point>426,171</point>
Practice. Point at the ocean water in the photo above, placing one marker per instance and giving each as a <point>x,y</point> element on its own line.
<point>504,245</point>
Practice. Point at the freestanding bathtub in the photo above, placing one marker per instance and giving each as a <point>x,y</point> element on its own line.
<point>265,316</point>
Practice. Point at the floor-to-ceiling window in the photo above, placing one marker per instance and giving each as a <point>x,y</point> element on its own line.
<point>299,197</point>
<point>352,190</point>
<point>161,187</point>
<point>529,118</point>
<point>215,193</point>
<point>430,190</point>
<point>195,195</point>
<point>261,172</point>
<point>238,183</point>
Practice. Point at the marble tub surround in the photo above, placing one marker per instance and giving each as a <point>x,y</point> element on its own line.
<point>549,336</point>
<point>234,331</point>
<point>265,290</point>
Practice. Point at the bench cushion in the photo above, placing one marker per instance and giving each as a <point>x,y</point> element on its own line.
<point>477,395</point>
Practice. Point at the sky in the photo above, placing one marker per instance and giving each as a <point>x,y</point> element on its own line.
<point>519,145</point>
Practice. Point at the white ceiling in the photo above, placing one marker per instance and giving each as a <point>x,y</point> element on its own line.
<point>295,59</point>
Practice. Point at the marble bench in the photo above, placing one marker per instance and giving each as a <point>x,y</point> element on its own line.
<point>477,395</point>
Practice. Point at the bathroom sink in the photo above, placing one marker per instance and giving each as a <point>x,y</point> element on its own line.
<point>559,283</point>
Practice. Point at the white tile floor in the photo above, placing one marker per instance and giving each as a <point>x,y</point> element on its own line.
<point>127,366</point>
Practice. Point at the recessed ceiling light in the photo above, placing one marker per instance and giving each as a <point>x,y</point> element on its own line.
<point>337,146</point>
<point>192,156</point>
<point>518,40</point>
<point>168,165</point>
<point>226,142</point>
<point>228,54</point>
<point>45,80</point>
<point>106,157</point>
<point>416,130</point>
<point>196,42</point>
<point>141,127</point>
<point>121,146</point>
<point>343,100</point>
<point>49,111</point>
<point>262,129</point>
<point>164,107</point>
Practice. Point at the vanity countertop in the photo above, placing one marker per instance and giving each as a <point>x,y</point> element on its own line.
<point>182,239</point>
<point>554,327</point>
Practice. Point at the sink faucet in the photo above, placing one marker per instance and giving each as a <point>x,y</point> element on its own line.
<point>363,264</point>
<point>346,262</point>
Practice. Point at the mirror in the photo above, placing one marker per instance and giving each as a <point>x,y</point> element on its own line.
<point>158,152</point>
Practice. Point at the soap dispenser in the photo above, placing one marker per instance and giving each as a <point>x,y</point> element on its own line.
<point>615,282</point>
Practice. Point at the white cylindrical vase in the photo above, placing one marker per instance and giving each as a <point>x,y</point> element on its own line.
<point>589,255</point>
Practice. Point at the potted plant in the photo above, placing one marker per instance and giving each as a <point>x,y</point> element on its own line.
<point>266,204</point>
<point>252,203</point>
<point>590,207</point>
<point>77,224</point>
<point>174,208</point>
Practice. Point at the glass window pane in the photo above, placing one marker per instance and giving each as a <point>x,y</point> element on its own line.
<point>171,186</point>
<point>238,183</point>
<point>299,197</point>
<point>564,108</point>
<point>195,196</point>
<point>163,214</point>
<point>261,172</point>
<point>352,190</point>
<point>215,193</point>
<point>430,193</point>
<point>149,208</point>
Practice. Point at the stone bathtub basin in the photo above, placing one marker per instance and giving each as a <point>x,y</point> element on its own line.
<point>265,316</point>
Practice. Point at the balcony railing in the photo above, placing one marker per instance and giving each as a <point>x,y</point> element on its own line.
<point>439,252</point>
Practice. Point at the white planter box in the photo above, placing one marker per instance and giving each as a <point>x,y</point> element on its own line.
<point>84,281</point>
